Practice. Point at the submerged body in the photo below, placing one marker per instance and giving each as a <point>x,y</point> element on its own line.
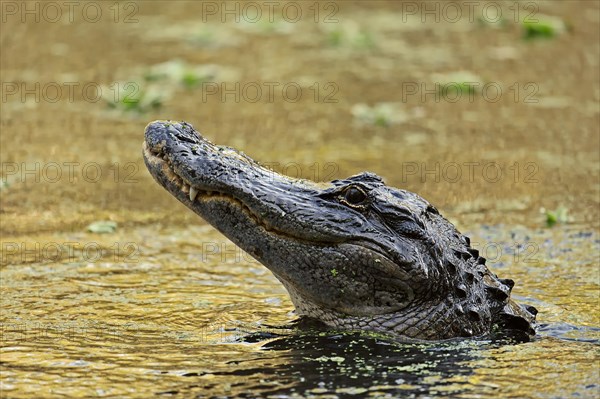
<point>352,253</point>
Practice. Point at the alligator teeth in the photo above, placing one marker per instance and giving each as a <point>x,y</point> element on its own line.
<point>193,193</point>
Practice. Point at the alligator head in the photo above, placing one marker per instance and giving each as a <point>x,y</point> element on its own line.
<point>352,253</point>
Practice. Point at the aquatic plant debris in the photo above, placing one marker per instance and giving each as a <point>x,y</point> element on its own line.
<point>559,215</point>
<point>150,88</point>
<point>102,227</point>
<point>136,98</point>
<point>455,84</point>
<point>542,26</point>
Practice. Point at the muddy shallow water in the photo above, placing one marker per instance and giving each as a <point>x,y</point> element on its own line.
<point>165,306</point>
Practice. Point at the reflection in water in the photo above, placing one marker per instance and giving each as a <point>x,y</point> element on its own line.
<point>354,363</point>
<point>181,323</point>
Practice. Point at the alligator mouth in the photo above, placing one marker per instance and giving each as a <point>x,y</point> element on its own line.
<point>192,196</point>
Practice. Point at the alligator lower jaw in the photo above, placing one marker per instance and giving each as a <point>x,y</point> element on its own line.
<point>193,197</point>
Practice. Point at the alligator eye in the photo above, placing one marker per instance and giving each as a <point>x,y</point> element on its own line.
<point>355,196</point>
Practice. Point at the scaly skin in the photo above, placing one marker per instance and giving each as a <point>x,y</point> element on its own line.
<point>353,253</point>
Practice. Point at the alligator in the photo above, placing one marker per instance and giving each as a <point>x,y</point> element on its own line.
<point>353,254</point>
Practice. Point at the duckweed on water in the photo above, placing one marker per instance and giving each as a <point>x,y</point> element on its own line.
<point>191,80</point>
<point>542,26</point>
<point>360,40</point>
<point>136,97</point>
<point>455,84</point>
<point>380,114</point>
<point>559,215</point>
<point>351,35</point>
<point>177,71</point>
<point>337,359</point>
<point>158,83</point>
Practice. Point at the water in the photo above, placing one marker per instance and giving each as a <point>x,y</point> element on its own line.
<point>182,319</point>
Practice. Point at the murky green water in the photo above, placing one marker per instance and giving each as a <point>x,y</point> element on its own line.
<point>166,307</point>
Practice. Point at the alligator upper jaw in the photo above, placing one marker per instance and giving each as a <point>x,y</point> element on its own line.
<point>194,197</point>
<point>159,151</point>
<point>159,167</point>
